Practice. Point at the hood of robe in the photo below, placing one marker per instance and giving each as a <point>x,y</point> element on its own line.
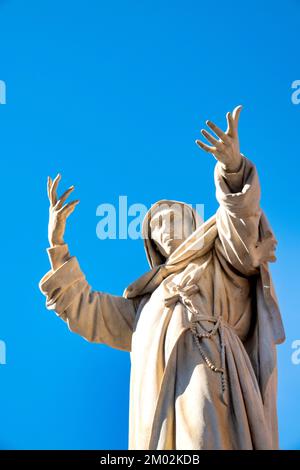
<point>154,257</point>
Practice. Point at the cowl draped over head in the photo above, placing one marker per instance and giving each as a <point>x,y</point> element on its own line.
<point>154,257</point>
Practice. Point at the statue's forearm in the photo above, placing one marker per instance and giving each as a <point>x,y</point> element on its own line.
<point>238,218</point>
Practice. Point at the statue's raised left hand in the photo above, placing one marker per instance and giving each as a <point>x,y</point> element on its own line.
<point>227,149</point>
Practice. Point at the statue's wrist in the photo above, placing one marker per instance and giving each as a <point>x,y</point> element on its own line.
<point>234,167</point>
<point>56,242</point>
<point>58,255</point>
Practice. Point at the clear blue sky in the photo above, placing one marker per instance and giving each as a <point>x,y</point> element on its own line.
<point>113,95</point>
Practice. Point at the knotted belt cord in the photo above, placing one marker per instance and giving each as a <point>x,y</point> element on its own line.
<point>181,294</point>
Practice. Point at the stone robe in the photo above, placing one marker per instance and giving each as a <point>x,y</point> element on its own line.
<point>201,327</point>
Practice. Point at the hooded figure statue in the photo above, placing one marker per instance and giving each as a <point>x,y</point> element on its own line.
<point>201,325</point>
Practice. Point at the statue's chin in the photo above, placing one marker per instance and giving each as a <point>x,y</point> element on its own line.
<point>169,247</point>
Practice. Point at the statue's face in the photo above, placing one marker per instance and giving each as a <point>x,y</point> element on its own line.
<point>169,226</point>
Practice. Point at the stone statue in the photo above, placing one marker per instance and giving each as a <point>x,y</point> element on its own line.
<point>201,325</point>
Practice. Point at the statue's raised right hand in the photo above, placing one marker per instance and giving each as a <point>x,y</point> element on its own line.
<point>58,212</point>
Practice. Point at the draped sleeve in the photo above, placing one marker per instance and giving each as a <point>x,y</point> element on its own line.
<point>239,219</point>
<point>96,316</point>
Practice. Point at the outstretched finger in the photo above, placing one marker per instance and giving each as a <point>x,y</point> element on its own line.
<point>49,184</point>
<point>218,132</point>
<point>68,208</point>
<point>211,139</point>
<point>205,147</point>
<point>71,209</point>
<point>53,196</point>
<point>236,115</point>
<point>64,196</point>
<point>230,125</point>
